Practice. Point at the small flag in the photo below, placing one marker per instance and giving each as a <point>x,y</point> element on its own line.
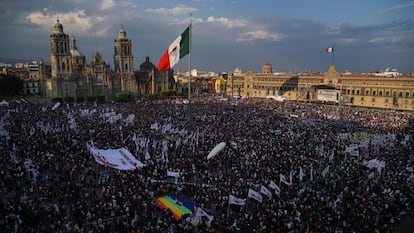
<point>265,191</point>
<point>274,186</point>
<point>329,50</point>
<point>325,171</point>
<point>311,172</point>
<point>300,174</point>
<point>199,213</point>
<point>255,195</point>
<point>236,201</point>
<point>284,180</point>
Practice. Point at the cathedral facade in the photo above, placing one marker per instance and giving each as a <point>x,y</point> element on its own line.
<point>70,76</point>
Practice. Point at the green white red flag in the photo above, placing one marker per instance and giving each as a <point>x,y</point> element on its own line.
<point>177,49</point>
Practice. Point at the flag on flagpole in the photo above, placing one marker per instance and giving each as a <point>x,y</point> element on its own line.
<point>255,195</point>
<point>329,50</point>
<point>300,174</point>
<point>284,180</point>
<point>274,186</point>
<point>311,173</point>
<point>200,213</point>
<point>178,49</point>
<point>265,191</point>
<point>236,201</point>
<point>325,171</point>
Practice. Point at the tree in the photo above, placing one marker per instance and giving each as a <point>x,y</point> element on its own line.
<point>10,85</point>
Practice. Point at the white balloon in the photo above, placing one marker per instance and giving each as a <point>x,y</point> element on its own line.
<point>219,147</point>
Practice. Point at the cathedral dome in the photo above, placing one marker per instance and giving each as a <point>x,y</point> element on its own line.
<point>237,70</point>
<point>74,51</point>
<point>267,68</point>
<point>58,28</point>
<point>122,33</point>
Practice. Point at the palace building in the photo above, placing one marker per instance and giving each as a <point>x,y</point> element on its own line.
<point>69,75</point>
<point>364,90</point>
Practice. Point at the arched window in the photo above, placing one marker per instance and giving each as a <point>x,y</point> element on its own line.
<point>126,66</point>
<point>63,66</point>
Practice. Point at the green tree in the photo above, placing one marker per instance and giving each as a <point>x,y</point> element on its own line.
<point>10,85</point>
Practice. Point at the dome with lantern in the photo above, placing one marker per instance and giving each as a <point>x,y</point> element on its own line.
<point>237,70</point>
<point>267,68</point>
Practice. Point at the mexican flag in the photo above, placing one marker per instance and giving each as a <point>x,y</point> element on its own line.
<point>178,49</point>
<point>329,50</point>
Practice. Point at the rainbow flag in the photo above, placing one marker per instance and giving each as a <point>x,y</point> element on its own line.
<point>178,205</point>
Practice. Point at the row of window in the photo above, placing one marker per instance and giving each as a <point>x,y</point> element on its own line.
<point>406,101</point>
<point>406,94</point>
<point>31,85</point>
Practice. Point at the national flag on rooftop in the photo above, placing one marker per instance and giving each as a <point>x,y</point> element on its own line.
<point>255,195</point>
<point>236,201</point>
<point>177,49</point>
<point>329,50</point>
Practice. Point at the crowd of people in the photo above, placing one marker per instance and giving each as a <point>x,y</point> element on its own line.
<point>51,183</point>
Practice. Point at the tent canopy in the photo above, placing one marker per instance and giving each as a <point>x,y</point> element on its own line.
<point>4,103</point>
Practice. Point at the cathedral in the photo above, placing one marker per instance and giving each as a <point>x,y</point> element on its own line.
<point>70,76</point>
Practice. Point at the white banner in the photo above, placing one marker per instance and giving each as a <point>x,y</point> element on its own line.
<point>120,159</point>
<point>173,174</point>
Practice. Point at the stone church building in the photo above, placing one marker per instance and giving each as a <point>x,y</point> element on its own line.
<point>69,75</point>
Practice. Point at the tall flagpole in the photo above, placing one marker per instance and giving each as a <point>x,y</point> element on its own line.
<point>189,72</point>
<point>333,54</point>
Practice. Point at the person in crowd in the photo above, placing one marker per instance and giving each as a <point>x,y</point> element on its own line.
<point>336,169</point>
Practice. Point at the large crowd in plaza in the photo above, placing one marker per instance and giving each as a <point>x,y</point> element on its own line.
<point>51,182</point>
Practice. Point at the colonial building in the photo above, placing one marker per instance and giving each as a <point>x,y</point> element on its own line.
<point>69,75</point>
<point>365,90</point>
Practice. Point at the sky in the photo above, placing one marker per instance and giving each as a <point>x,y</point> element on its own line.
<point>367,36</point>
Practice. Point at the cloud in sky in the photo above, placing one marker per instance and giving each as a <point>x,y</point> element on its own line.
<point>75,22</point>
<point>225,34</point>
<point>227,22</point>
<point>178,10</point>
<point>401,6</point>
<point>259,35</point>
<point>106,4</point>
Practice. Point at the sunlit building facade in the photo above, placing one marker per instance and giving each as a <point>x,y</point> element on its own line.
<point>365,90</point>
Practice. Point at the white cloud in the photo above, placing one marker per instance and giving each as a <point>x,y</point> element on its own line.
<point>401,6</point>
<point>106,4</point>
<point>259,35</point>
<point>226,22</point>
<point>76,22</point>
<point>179,10</point>
<point>335,30</point>
<point>128,4</point>
<point>382,40</point>
<point>347,40</point>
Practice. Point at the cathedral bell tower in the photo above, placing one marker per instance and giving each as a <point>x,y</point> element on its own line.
<point>60,57</point>
<point>123,60</point>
